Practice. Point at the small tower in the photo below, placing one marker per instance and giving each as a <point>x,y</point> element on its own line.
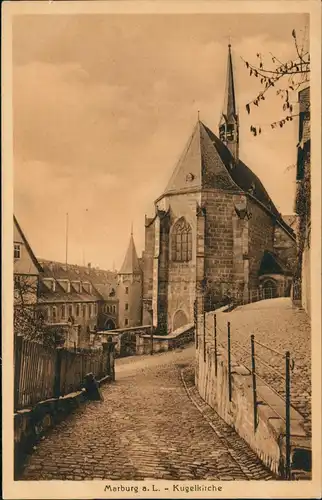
<point>229,124</point>
<point>130,289</point>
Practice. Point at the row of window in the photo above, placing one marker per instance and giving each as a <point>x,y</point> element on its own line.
<point>109,309</point>
<point>66,285</point>
<point>66,311</point>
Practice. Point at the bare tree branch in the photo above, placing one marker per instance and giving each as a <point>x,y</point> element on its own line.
<point>295,73</point>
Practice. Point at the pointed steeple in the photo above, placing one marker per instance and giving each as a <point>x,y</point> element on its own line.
<point>131,262</point>
<point>230,101</point>
<point>228,126</point>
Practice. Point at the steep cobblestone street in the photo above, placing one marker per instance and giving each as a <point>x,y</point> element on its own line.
<point>147,427</point>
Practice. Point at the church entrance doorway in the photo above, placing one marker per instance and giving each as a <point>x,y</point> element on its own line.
<point>269,289</point>
<point>179,319</point>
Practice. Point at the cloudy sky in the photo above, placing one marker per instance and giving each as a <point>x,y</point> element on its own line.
<point>104,104</point>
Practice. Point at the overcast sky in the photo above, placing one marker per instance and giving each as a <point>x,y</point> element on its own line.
<point>104,104</point>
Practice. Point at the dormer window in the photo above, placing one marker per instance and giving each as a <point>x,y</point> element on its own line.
<point>77,286</point>
<point>50,282</point>
<point>87,286</point>
<point>65,284</point>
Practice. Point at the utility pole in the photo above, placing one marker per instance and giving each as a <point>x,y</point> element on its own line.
<point>66,260</point>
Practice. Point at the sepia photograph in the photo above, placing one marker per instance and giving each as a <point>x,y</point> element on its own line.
<point>163,283</point>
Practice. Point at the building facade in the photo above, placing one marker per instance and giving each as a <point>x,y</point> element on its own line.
<point>303,202</point>
<point>83,297</point>
<point>27,271</point>
<point>215,230</point>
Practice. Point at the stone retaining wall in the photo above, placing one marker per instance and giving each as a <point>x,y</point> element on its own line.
<point>268,439</point>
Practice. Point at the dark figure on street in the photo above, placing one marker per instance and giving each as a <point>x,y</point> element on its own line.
<point>91,385</point>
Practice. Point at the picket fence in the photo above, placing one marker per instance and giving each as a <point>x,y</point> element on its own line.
<point>42,372</point>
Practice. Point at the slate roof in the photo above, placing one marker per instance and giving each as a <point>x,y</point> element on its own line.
<point>131,263</point>
<point>103,283</point>
<point>272,264</point>
<point>207,163</point>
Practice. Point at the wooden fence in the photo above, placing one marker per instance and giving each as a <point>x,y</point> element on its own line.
<point>43,373</point>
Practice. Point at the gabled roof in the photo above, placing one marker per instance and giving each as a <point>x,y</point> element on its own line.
<point>200,165</point>
<point>28,247</point>
<point>131,263</point>
<point>272,264</point>
<point>207,163</point>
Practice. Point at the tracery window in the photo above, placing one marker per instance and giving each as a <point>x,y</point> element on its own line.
<point>181,241</point>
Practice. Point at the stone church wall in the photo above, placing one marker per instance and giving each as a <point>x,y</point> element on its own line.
<point>221,251</point>
<point>261,238</point>
<point>148,271</point>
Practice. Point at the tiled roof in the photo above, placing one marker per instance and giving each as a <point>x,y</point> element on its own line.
<point>105,290</point>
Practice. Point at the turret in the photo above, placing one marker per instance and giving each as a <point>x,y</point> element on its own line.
<point>130,289</point>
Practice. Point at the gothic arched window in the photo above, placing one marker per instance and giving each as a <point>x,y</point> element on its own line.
<point>181,241</point>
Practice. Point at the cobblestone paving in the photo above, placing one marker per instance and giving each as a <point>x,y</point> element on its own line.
<point>146,428</point>
<point>281,326</point>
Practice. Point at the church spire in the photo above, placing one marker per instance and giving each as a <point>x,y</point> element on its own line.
<point>228,126</point>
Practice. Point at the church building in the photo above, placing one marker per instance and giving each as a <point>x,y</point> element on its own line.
<point>215,231</point>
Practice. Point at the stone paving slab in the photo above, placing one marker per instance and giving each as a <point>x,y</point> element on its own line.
<point>146,427</point>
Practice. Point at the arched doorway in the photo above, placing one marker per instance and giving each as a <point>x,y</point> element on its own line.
<point>179,319</point>
<point>109,324</point>
<point>269,289</point>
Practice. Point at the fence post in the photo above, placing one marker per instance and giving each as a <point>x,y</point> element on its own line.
<point>215,335</point>
<point>57,379</point>
<point>195,311</point>
<point>229,361</point>
<point>287,416</point>
<point>18,353</point>
<point>204,331</point>
<point>252,341</point>
<point>151,338</point>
